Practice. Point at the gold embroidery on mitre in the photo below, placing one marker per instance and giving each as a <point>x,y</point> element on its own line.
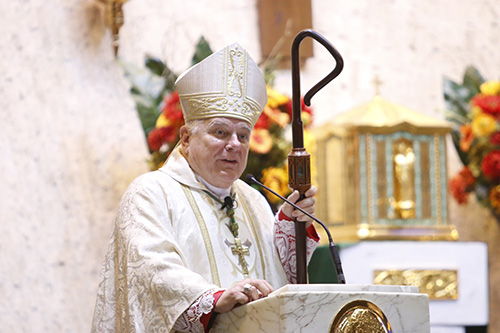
<point>233,101</point>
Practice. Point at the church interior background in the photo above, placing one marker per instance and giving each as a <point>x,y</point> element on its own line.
<point>71,140</point>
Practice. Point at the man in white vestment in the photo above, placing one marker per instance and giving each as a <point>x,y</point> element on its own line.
<point>192,240</point>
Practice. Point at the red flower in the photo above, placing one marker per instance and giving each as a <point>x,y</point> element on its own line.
<point>262,122</point>
<point>172,109</point>
<point>489,104</point>
<point>461,185</point>
<point>289,108</point>
<point>491,164</point>
<point>495,139</point>
<point>158,136</point>
<point>303,106</point>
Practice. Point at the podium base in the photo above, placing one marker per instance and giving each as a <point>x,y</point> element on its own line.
<point>320,307</point>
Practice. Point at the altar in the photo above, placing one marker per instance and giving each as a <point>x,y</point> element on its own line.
<point>453,274</point>
<point>385,200</point>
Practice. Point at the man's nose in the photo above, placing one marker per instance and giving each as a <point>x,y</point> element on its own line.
<point>233,143</point>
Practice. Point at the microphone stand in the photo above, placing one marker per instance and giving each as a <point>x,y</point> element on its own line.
<point>333,248</point>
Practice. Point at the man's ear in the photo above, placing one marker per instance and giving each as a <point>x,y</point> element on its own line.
<point>184,137</point>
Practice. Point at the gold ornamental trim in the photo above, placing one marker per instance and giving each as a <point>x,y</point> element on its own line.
<point>356,233</point>
<point>438,284</point>
<point>232,98</point>
<point>205,235</point>
<point>406,232</point>
<point>404,127</point>
<point>257,238</point>
<point>360,316</point>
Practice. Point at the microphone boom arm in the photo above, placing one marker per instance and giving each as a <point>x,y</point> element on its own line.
<point>333,248</point>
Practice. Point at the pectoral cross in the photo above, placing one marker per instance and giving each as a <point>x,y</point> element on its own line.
<point>239,250</point>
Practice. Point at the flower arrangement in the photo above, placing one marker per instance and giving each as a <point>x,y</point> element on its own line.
<point>161,116</point>
<point>474,108</point>
<point>270,143</point>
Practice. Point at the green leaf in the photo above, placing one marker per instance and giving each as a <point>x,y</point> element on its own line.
<point>456,97</point>
<point>472,80</point>
<point>147,90</point>
<point>160,68</point>
<point>148,116</point>
<point>202,51</point>
<point>170,78</point>
<point>143,81</point>
<point>455,136</point>
<point>456,118</point>
<point>155,65</point>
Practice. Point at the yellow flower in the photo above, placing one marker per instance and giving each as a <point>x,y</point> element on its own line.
<point>476,110</point>
<point>306,118</point>
<point>309,142</point>
<point>490,88</point>
<point>162,121</point>
<point>310,145</point>
<point>261,141</point>
<point>483,125</point>
<point>275,99</point>
<point>277,180</point>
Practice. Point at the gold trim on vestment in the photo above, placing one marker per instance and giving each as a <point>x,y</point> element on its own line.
<point>122,293</point>
<point>205,235</point>
<point>257,240</point>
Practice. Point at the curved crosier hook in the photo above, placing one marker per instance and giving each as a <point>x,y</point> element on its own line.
<point>299,141</point>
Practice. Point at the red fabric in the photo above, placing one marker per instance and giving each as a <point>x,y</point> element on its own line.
<point>205,318</point>
<point>310,232</point>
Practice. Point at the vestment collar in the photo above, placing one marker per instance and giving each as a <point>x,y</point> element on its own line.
<point>178,168</point>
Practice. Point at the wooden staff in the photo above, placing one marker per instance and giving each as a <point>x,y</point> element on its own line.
<point>299,164</point>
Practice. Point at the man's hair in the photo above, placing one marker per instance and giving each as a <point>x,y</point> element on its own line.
<point>194,126</point>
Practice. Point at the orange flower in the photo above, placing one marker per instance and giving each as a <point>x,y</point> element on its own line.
<point>495,198</point>
<point>466,137</point>
<point>261,141</point>
<point>461,184</point>
<point>277,180</point>
<point>280,118</point>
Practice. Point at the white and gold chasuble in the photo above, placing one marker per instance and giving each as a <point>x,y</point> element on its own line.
<point>172,243</point>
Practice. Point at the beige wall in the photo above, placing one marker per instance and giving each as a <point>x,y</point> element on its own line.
<point>70,141</point>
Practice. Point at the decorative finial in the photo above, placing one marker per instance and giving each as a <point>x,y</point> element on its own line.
<point>114,19</point>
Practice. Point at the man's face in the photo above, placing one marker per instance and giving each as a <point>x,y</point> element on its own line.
<point>218,149</point>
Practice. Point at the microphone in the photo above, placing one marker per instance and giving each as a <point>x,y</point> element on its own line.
<point>333,248</point>
<point>228,202</point>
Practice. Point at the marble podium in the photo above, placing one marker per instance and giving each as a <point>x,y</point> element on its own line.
<point>331,308</point>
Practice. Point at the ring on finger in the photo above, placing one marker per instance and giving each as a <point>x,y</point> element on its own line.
<point>247,288</point>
